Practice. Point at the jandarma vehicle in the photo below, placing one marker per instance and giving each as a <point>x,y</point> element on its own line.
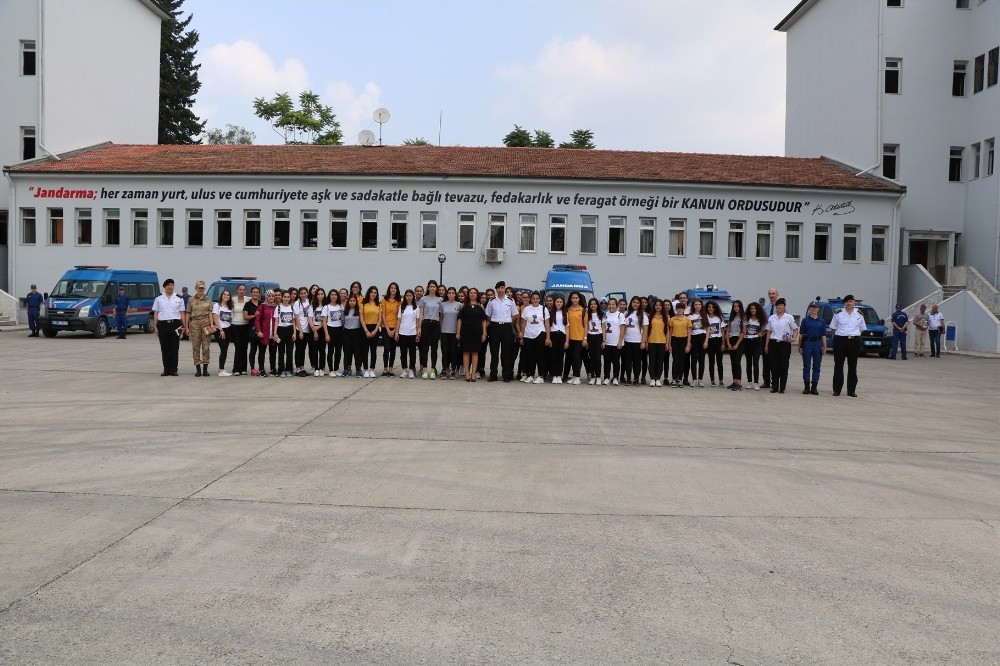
<point>84,300</point>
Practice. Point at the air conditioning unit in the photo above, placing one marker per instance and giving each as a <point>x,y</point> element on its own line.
<point>494,255</point>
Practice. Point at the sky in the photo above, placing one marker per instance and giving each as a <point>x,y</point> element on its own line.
<point>664,75</point>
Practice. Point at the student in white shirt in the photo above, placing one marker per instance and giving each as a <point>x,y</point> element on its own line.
<point>532,339</point>
<point>407,332</point>
<point>635,328</point>
<point>222,320</point>
<point>303,331</point>
<point>715,341</point>
<point>284,333</point>
<point>595,340</point>
<point>317,351</point>
<point>333,326</point>
<point>612,343</point>
<point>555,338</point>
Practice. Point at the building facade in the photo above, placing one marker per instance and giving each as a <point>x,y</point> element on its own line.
<point>73,74</point>
<point>642,222</point>
<point>907,89</point>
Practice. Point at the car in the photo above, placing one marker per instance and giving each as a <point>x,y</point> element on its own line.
<point>564,278</point>
<point>877,339</point>
<point>84,300</point>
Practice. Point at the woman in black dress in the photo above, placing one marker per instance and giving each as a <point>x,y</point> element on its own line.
<point>471,333</point>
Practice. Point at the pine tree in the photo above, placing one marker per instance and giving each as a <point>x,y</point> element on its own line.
<point>178,78</point>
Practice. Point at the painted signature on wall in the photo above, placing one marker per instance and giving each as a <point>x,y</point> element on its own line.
<point>842,208</point>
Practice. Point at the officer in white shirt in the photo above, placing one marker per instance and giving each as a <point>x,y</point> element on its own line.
<point>935,330</point>
<point>782,332</point>
<point>168,319</point>
<point>501,312</point>
<point>847,325</point>
<point>770,307</point>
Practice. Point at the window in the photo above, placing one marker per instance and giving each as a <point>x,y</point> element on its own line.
<point>28,226</point>
<point>466,232</point>
<point>428,231</point>
<point>878,244</point>
<point>397,230</point>
<point>850,242</point>
<point>224,228</point>
<point>140,227</point>
<point>647,236</point>
<point>706,238</point>
<point>893,3</point>
<point>821,243</point>
<point>3,228</point>
<point>890,160</point>
<point>55,226</point>
<point>282,228</point>
<point>557,234</point>
<point>988,166</point>
<point>736,230</point>
<point>338,229</point>
<point>166,221</point>
<point>955,164</point>
<point>991,68</point>
<point>369,230</point>
<point>616,235</point>
<point>893,75</point>
<point>195,228</point>
<point>763,240</point>
<point>498,227</point>
<point>977,155</point>
<point>27,143</point>
<point>112,227</point>
<point>526,242</point>
<point>958,78</point>
<point>676,240</point>
<point>588,234</point>
<point>793,241</point>
<point>310,228</point>
<point>28,58</point>
<point>251,228</point>
<point>961,4</point>
<point>978,74</point>
<point>84,227</point>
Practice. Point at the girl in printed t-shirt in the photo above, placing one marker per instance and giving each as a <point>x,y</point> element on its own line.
<point>555,338</point>
<point>333,327</point>
<point>407,331</point>
<point>532,339</point>
<point>318,350</point>
<point>595,341</point>
<point>635,329</point>
<point>612,343</point>
<point>222,319</point>
<point>735,330</point>
<point>353,337</point>
<point>284,332</point>
<point>699,342</point>
<point>755,323</point>
<point>715,333</point>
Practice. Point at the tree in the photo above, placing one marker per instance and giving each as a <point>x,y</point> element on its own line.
<point>517,138</point>
<point>311,123</point>
<point>233,135</point>
<point>419,141</point>
<point>581,138</point>
<point>178,78</point>
<point>543,140</point>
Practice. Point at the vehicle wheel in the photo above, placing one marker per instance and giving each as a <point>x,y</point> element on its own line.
<point>148,326</point>
<point>102,328</point>
<point>49,332</point>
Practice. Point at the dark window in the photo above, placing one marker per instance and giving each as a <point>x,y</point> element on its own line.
<point>369,229</point>
<point>821,248</point>
<point>338,229</point>
<point>958,79</point>
<point>28,143</point>
<point>195,235</point>
<point>3,227</point>
<point>27,58</point>
<point>890,161</point>
<point>978,75</point>
<point>955,164</point>
<point>892,76</point>
<point>961,4</point>
<point>224,228</point>
<point>893,3</point>
<point>282,228</point>
<point>991,70</point>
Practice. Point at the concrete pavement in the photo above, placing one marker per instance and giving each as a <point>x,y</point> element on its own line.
<point>243,520</point>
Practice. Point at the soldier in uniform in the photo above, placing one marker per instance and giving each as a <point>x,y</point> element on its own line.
<point>185,296</point>
<point>199,328</point>
<point>812,347</point>
<point>121,312</point>
<point>33,302</point>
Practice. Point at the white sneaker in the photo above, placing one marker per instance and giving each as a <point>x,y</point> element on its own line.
<point>606,382</point>
<point>538,380</point>
<point>614,382</point>
<point>223,373</point>
<point>525,379</point>
<point>755,387</point>
<point>557,380</point>
<point>334,374</point>
<point>322,373</point>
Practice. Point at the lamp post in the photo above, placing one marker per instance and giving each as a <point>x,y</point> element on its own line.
<point>441,260</point>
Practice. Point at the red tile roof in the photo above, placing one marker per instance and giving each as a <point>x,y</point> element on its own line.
<point>546,163</point>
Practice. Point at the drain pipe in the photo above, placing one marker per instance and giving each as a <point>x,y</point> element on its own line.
<point>896,252</point>
<point>879,66</point>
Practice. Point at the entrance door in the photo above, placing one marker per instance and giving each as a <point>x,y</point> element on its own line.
<point>932,255</point>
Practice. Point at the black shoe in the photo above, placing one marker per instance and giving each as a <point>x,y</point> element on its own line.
<point>737,387</point>
<point>197,371</point>
<point>493,378</point>
<point>836,394</point>
<point>165,373</point>
<point>853,395</point>
<point>813,390</point>
<point>780,391</point>
<point>766,385</point>
<point>173,373</point>
<point>204,369</point>
<point>774,390</point>
<point>805,391</point>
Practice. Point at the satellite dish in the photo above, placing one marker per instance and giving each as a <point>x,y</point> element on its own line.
<point>366,137</point>
<point>381,115</point>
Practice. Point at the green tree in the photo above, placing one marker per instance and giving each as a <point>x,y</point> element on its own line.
<point>418,141</point>
<point>311,123</point>
<point>518,138</point>
<point>543,140</point>
<point>232,135</point>
<point>178,78</point>
<point>581,138</point>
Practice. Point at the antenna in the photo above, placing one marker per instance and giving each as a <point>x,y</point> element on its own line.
<point>366,137</point>
<point>381,116</point>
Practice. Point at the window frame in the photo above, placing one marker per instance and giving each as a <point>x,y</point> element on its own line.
<point>992,65</point>
<point>428,220</point>
<point>793,230</point>
<point>497,221</point>
<point>307,217</point>
<point>893,66</point>
<point>527,222</point>
<point>618,223</point>
<point>956,157</point>
<point>192,215</point>
<point>989,156</point>
<point>977,156</point>
<point>764,229</point>
<point>702,231</point>
<point>281,217</point>
<point>369,219</point>
<point>112,215</point>
<point>979,74</point>
<point>588,227</point>
<point>737,231</point>
<point>164,215</point>
<point>466,221</point>
<point>822,230</point>
<point>399,219</point>
<point>27,217</point>
<point>252,216</point>
<point>337,218</point>
<point>852,232</point>
<point>675,231</point>
<point>890,155</point>
<point>959,78</point>
<point>28,46</point>
<point>647,227</point>
<point>140,220</point>
<point>28,138</point>
<point>84,217</point>
<point>558,222</point>
<point>56,225</point>
<point>879,235</point>
<point>223,215</point>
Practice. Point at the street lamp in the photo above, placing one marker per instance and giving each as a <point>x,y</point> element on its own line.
<point>441,260</point>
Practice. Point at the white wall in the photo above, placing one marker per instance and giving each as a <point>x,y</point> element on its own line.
<point>977,328</point>
<point>800,281</point>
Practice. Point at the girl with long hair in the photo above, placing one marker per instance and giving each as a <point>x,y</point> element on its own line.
<point>715,341</point>
<point>222,319</point>
<point>407,331</point>
<point>699,342</point>
<point>303,331</point>
<point>371,314</point>
<point>754,332</point>
<point>471,333</point>
<point>657,342</point>
<point>531,327</point>
<point>389,320</point>
<point>333,324</point>
<point>317,350</point>
<point>595,341</point>
<point>555,338</point>
<point>576,336</point>
<point>680,343</point>
<point>450,359</point>
<point>284,332</point>
<point>612,343</point>
<point>635,329</point>
<point>735,331</point>
<point>354,337</point>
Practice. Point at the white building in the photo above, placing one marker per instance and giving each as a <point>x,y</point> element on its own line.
<point>909,89</point>
<point>643,222</point>
<point>73,74</point>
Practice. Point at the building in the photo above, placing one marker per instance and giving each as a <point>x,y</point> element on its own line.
<point>74,74</point>
<point>908,89</point>
<point>643,222</point>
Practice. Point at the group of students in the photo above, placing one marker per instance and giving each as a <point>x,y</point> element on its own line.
<point>659,342</point>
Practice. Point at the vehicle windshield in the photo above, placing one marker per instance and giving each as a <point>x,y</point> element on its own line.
<point>871,317</point>
<point>78,289</point>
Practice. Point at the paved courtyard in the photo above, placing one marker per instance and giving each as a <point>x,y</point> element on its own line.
<point>316,521</point>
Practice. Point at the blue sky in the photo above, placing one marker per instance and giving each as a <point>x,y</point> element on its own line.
<point>676,75</point>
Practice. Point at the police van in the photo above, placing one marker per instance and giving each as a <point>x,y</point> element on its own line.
<point>712,292</point>
<point>230,282</point>
<point>876,339</point>
<point>84,300</point>
<point>564,278</point>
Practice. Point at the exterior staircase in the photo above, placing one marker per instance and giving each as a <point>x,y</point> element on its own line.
<point>950,290</point>
<point>7,322</point>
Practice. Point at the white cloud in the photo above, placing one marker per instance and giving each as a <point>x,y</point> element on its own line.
<point>354,110</point>
<point>244,67</point>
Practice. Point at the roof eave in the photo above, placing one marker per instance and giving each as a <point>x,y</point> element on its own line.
<point>794,15</point>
